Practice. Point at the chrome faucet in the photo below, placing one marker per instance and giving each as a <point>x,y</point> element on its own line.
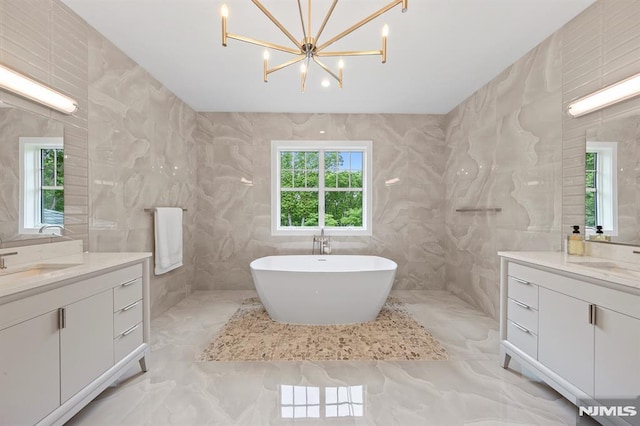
<point>2,255</point>
<point>45,227</point>
<point>323,242</point>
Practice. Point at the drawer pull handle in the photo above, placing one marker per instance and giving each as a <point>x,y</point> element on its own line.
<point>131,330</point>
<point>521,281</point>
<point>592,314</point>
<point>128,283</point>
<point>519,303</point>
<point>520,327</point>
<point>131,306</point>
<point>62,318</point>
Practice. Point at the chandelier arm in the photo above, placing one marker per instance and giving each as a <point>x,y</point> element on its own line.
<point>350,53</point>
<point>326,68</point>
<point>309,14</point>
<point>360,24</point>
<point>263,44</point>
<point>286,64</point>
<point>304,29</point>
<point>277,23</point>
<point>326,19</point>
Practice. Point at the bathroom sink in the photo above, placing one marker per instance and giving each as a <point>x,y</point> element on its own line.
<point>609,267</point>
<point>35,270</point>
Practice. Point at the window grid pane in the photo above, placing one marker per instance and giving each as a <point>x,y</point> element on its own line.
<point>337,184</point>
<point>299,401</point>
<point>51,186</point>
<point>591,196</point>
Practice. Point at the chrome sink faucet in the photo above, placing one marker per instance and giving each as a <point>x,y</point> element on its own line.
<point>2,255</point>
<point>45,227</point>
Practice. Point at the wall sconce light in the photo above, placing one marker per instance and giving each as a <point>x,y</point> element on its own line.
<point>617,92</point>
<point>21,85</point>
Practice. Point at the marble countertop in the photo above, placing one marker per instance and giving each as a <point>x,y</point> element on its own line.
<point>23,278</point>
<point>618,272</point>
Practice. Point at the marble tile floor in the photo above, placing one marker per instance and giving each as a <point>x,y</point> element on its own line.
<point>469,388</point>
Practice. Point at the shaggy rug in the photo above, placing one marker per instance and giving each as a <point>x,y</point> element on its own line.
<point>250,335</point>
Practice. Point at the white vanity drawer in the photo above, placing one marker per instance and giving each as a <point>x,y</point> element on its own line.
<point>523,338</point>
<point>126,294</point>
<point>523,314</point>
<point>127,341</point>
<point>524,291</point>
<point>127,317</point>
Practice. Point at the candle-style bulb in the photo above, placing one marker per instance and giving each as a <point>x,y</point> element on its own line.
<point>224,11</point>
<point>265,55</point>
<point>340,64</point>
<point>385,31</point>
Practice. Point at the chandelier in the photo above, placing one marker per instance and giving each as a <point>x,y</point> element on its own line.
<point>308,49</point>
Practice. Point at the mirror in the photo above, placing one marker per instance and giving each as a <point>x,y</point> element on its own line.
<point>612,174</point>
<point>31,173</point>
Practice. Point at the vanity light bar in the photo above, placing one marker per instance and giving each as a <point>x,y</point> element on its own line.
<point>21,85</point>
<point>617,92</point>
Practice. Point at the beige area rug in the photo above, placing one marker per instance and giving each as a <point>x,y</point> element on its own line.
<point>250,335</point>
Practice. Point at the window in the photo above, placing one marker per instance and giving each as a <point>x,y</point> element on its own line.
<point>601,187</point>
<point>344,401</point>
<point>321,184</point>
<point>42,183</point>
<point>299,402</point>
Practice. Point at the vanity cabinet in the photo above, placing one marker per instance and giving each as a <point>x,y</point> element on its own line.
<point>30,369</point>
<point>617,339</point>
<point>86,346</point>
<point>60,347</point>
<point>566,338</point>
<point>579,334</point>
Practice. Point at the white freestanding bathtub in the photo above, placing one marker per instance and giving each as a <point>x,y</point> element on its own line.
<point>335,289</point>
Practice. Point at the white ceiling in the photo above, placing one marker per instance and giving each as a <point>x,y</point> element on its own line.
<point>439,52</point>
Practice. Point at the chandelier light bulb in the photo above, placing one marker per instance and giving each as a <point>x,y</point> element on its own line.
<point>265,55</point>
<point>326,83</point>
<point>224,11</point>
<point>385,31</point>
<point>303,68</point>
<point>340,64</point>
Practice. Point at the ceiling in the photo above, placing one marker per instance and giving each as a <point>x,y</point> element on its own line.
<point>439,52</point>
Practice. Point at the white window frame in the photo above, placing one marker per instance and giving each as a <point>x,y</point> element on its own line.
<point>607,186</point>
<point>366,147</point>
<point>31,182</point>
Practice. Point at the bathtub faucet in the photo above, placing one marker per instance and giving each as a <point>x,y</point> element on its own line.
<point>324,243</point>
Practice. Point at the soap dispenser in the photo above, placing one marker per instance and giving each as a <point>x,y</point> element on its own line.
<point>575,242</point>
<point>600,236</point>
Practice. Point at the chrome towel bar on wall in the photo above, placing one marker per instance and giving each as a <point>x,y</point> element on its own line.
<point>480,210</point>
<point>153,210</point>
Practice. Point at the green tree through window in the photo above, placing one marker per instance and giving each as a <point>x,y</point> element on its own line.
<point>591,196</point>
<point>308,177</point>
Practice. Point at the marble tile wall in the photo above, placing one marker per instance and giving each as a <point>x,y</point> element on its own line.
<point>142,154</point>
<point>47,41</point>
<point>234,219</point>
<point>129,146</point>
<point>504,151</point>
<point>516,126</point>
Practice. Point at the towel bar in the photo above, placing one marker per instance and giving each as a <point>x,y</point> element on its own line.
<point>488,209</point>
<point>154,209</point>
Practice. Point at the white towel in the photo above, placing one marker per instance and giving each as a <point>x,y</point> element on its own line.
<point>168,230</point>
